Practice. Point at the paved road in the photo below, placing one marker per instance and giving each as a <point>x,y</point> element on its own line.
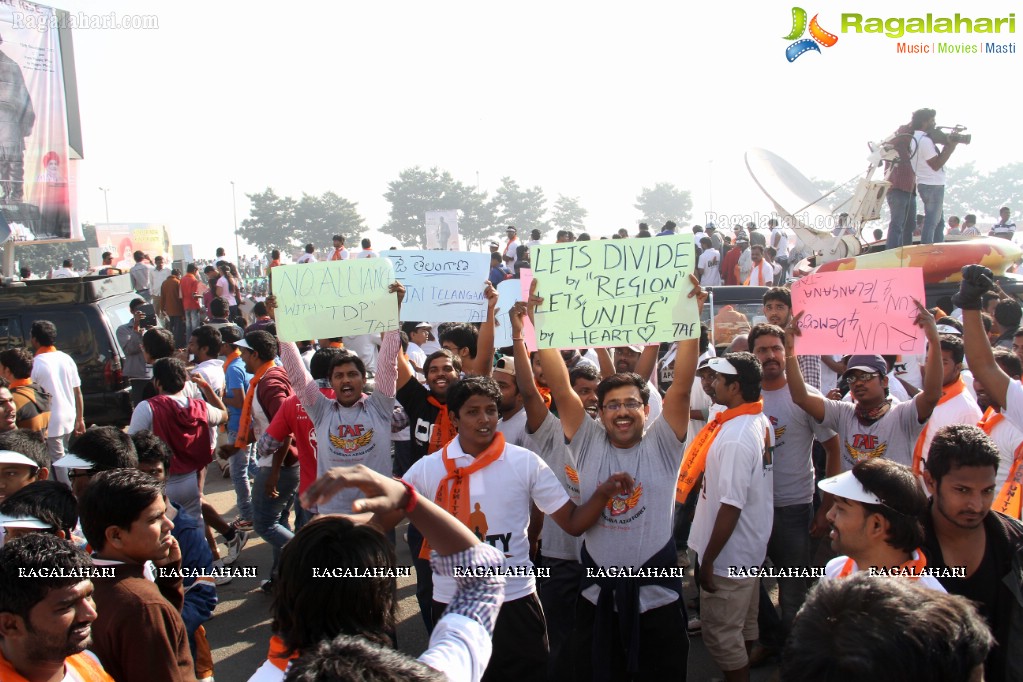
<point>240,630</point>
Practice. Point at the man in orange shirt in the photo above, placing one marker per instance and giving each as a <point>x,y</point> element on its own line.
<point>191,300</point>
<point>46,623</point>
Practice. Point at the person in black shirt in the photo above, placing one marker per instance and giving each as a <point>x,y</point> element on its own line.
<point>963,532</point>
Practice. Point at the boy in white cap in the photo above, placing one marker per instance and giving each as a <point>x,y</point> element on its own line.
<point>875,522</point>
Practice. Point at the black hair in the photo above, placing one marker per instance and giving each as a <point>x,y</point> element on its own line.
<point>28,443</point>
<point>138,256</point>
<point>151,448</point>
<point>583,370</point>
<point>220,308</point>
<point>231,334</point>
<point>1009,362</point>
<point>309,248</point>
<point>873,628</point>
<point>960,445</point>
<point>321,362</point>
<point>346,357</point>
<point>921,116</point>
<point>158,342</point>
<point>461,391</point>
<point>18,361</point>
<point>1008,314</point>
<point>704,338</point>
<point>987,320</point>
<point>779,294</point>
<point>107,447</point>
<point>954,345</point>
<point>115,498</point>
<point>456,361</point>
<point>346,658</point>
<point>259,309</point>
<point>208,337</point>
<point>749,374</point>
<point>338,238</point>
<point>365,243</point>
<point>42,555</point>
<point>275,254</point>
<point>903,501</point>
<point>462,335</point>
<point>50,501</point>
<point>44,332</point>
<point>307,610</point>
<point>192,268</point>
<point>135,304</point>
<point>764,329</point>
<point>622,380</point>
<point>264,345</point>
<point>171,374</point>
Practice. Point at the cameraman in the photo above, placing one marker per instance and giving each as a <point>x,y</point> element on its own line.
<point>129,336</point>
<point>929,165</point>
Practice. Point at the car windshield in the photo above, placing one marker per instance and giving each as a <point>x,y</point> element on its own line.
<point>731,319</point>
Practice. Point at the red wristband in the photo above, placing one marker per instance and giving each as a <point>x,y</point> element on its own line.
<point>413,496</point>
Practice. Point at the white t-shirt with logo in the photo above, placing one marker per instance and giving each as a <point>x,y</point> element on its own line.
<point>794,432</point>
<point>635,526</point>
<point>739,473</point>
<point>710,264</point>
<point>499,497</point>
<point>835,566</point>
<point>892,437</point>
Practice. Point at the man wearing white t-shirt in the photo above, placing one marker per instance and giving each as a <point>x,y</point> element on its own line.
<point>956,405</point>
<point>204,344</point>
<point>1007,437</point>
<point>58,374</point>
<point>875,522</point>
<point>780,243</point>
<point>709,265</point>
<point>418,336</point>
<point>490,484</point>
<point>513,414</point>
<point>735,512</point>
<point>929,165</point>
<point>308,256</point>
<point>761,273</point>
<point>367,250</point>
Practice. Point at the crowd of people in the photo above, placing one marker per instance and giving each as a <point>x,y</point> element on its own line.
<point>556,500</point>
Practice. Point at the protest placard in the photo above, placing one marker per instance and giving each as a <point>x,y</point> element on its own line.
<point>859,311</point>
<point>334,298</point>
<point>615,292</point>
<point>441,285</point>
<point>508,293</point>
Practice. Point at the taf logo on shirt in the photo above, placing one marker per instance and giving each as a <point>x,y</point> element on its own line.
<point>865,446</point>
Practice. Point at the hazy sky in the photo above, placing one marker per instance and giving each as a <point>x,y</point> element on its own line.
<point>588,99</point>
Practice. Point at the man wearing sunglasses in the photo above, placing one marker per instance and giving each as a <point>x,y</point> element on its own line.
<point>872,426</point>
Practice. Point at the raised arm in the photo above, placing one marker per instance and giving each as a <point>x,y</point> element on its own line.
<point>927,399</point>
<point>555,372</point>
<point>675,410</point>
<point>483,363</point>
<point>299,377</point>
<point>607,365</point>
<point>536,410</point>
<point>387,369</point>
<point>811,404</point>
<point>648,361</point>
<point>977,281</point>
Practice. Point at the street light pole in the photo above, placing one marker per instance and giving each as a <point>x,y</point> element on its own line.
<point>106,205</point>
<point>234,204</point>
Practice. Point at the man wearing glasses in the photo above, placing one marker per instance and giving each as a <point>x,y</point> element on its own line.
<point>872,426</point>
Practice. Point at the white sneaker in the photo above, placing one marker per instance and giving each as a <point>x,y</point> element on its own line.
<point>218,565</point>
<point>234,547</point>
<point>694,626</point>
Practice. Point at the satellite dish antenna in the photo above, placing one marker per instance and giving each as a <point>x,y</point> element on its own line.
<point>801,205</point>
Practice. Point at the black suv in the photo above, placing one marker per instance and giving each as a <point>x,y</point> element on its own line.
<point>87,312</point>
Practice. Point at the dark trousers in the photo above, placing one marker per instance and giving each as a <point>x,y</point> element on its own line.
<point>558,595</point>
<point>424,577</point>
<point>520,641</point>
<point>663,649</point>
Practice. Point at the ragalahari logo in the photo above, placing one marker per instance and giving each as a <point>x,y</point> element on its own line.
<point>817,35</point>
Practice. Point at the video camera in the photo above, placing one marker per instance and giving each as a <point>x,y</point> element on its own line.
<point>954,134</point>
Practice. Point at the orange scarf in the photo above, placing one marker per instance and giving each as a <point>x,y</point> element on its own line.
<point>1008,499</point>
<point>46,349</point>
<point>231,357</point>
<point>947,393</point>
<point>545,393</point>
<point>759,268</point>
<point>443,430</point>
<point>913,568</point>
<point>695,460</point>
<point>337,255</point>
<point>456,501</point>
<point>18,383</point>
<point>245,425</point>
<point>278,656</point>
<point>83,667</point>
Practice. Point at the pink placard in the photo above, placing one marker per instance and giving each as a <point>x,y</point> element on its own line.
<point>528,331</point>
<point>859,312</point>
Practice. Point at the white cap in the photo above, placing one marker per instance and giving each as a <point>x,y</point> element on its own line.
<point>721,366</point>
<point>11,457</point>
<point>23,522</point>
<point>948,329</point>
<point>848,486</point>
<point>73,461</point>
